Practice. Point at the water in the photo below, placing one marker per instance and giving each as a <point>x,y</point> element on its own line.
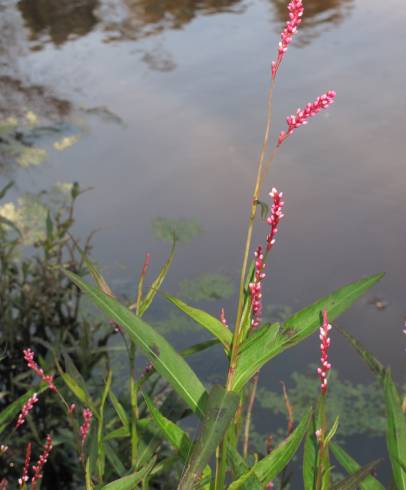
<point>169,101</point>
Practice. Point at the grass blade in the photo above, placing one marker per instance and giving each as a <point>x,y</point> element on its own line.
<point>396,432</point>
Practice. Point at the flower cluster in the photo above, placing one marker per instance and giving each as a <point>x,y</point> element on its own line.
<point>274,218</point>
<point>29,357</point>
<point>325,366</point>
<point>27,407</point>
<point>295,18</point>
<point>256,288</point>
<point>24,478</point>
<point>85,427</point>
<point>302,115</point>
<point>41,462</point>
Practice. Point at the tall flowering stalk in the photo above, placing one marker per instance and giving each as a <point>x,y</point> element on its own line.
<point>296,10</point>
<point>29,357</point>
<point>41,462</point>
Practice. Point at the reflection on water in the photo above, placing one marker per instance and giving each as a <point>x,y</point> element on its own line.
<point>59,20</point>
<point>318,15</point>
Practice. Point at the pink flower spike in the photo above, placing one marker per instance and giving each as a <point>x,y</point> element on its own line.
<point>27,407</point>
<point>87,422</point>
<point>296,9</point>
<point>41,462</point>
<point>274,218</point>
<point>24,478</point>
<point>302,115</point>
<point>325,366</point>
<point>256,288</point>
<point>29,357</point>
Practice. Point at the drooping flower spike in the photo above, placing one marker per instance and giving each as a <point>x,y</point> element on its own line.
<point>302,115</point>
<point>296,9</point>
<point>325,341</point>
<point>27,407</point>
<point>29,357</point>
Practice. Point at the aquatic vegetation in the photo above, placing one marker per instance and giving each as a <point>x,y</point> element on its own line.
<point>138,437</point>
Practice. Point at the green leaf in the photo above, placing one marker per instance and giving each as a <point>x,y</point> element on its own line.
<point>161,354</point>
<point>114,460</point>
<point>332,431</point>
<point>174,434</point>
<point>354,480</point>
<point>303,324</point>
<point>307,320</point>
<point>120,410</point>
<point>396,432</point>
<point>209,322</point>
<point>221,408</point>
<point>310,461</point>
<point>239,468</point>
<point>130,481</point>
<point>77,390</point>
<point>100,453</point>
<point>254,353</point>
<point>351,466</point>
<point>269,467</point>
<point>146,303</point>
<point>374,365</point>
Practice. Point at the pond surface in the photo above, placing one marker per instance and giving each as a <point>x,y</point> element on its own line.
<point>168,101</point>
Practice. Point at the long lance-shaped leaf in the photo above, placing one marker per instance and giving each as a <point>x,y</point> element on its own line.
<point>209,322</point>
<point>354,480</point>
<point>174,434</point>
<point>374,365</point>
<point>395,432</point>
<point>164,358</point>
<point>351,467</point>
<point>303,324</point>
<point>157,283</point>
<point>221,408</point>
<point>129,482</point>
<point>254,353</point>
<point>269,467</point>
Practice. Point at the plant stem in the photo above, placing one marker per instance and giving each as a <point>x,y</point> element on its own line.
<point>221,452</point>
<point>255,197</point>
<point>248,418</point>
